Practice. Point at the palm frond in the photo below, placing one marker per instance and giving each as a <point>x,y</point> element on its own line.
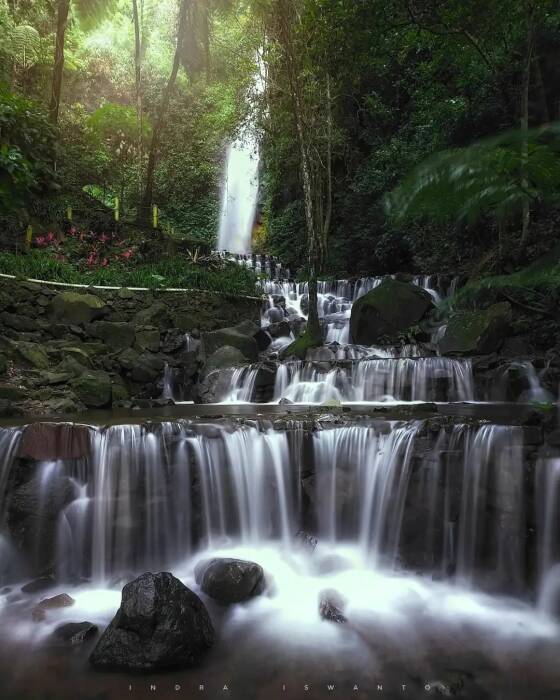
<point>493,176</point>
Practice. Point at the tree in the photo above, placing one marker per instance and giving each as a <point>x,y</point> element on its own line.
<point>147,200</point>
<point>310,97</point>
<point>497,177</point>
<point>89,11</point>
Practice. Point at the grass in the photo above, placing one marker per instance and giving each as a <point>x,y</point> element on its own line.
<point>232,279</point>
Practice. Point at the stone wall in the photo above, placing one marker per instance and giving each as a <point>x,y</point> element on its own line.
<point>64,349</point>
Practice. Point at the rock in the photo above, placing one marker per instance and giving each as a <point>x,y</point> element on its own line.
<point>125,293</point>
<point>11,392</point>
<point>300,347</point>
<point>53,441</point>
<point>147,338</point>
<point>224,358</point>
<point>304,540</point>
<point>232,337</point>
<point>174,340</point>
<point>331,606</point>
<point>155,315</point>
<point>128,359</point>
<point>63,600</point>
<point>93,388</point>
<point>34,354</point>
<point>117,335</point>
<point>3,364</point>
<point>476,332</point>
<point>389,309</point>
<point>42,583</point>
<point>147,368</point>
<point>74,633</point>
<point>18,322</point>
<point>262,339</point>
<point>6,590</point>
<point>78,308</point>
<point>230,580</point>
<point>160,624</point>
<point>41,497</point>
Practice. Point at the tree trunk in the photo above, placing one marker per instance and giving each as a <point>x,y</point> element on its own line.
<point>156,133</point>
<point>525,81</point>
<point>61,24</point>
<point>287,19</point>
<point>138,81</point>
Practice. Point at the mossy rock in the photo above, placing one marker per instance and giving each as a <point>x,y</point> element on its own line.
<point>3,364</point>
<point>116,334</point>
<point>78,308</point>
<point>34,354</point>
<point>148,338</point>
<point>93,388</point>
<point>389,309</point>
<point>476,332</point>
<point>233,337</point>
<point>300,346</point>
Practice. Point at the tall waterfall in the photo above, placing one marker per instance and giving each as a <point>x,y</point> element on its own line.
<point>240,189</point>
<point>239,195</point>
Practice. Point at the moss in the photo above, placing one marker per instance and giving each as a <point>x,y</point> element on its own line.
<point>300,346</point>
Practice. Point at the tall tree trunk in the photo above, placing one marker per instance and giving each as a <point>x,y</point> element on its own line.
<point>147,200</point>
<point>138,81</point>
<point>61,24</point>
<point>287,18</point>
<point>525,82</point>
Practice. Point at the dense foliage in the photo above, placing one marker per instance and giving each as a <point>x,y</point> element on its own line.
<point>121,104</point>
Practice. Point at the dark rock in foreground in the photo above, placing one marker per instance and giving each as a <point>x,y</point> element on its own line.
<point>331,606</point>
<point>230,580</point>
<point>160,624</point>
<point>74,633</point>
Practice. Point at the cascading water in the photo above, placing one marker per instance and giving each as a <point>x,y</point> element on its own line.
<point>149,497</point>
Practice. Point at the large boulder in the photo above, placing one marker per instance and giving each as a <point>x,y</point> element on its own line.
<point>230,580</point>
<point>214,384</point>
<point>147,369</point>
<point>93,388</point>
<point>224,358</point>
<point>33,353</point>
<point>160,624</point>
<point>78,308</point>
<point>476,332</point>
<point>389,309</point>
<point>239,337</point>
<point>155,315</point>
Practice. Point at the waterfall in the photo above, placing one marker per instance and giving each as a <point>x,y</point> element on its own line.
<point>394,379</point>
<point>150,496</point>
<point>240,189</point>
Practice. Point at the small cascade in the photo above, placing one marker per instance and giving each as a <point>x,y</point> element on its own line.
<point>9,445</point>
<point>168,384</point>
<point>547,488</point>
<point>519,381</point>
<point>390,379</point>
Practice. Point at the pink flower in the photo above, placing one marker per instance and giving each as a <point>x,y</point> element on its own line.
<point>82,236</point>
<point>50,237</point>
<point>104,262</point>
<point>40,241</point>
<point>127,254</point>
<point>104,238</point>
<point>91,259</point>
<point>73,231</point>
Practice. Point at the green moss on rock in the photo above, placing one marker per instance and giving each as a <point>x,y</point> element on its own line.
<point>476,332</point>
<point>300,346</point>
<point>390,308</point>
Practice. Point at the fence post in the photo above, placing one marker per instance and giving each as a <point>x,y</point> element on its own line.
<point>28,237</point>
<point>117,209</point>
<point>155,216</point>
<point>69,214</point>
